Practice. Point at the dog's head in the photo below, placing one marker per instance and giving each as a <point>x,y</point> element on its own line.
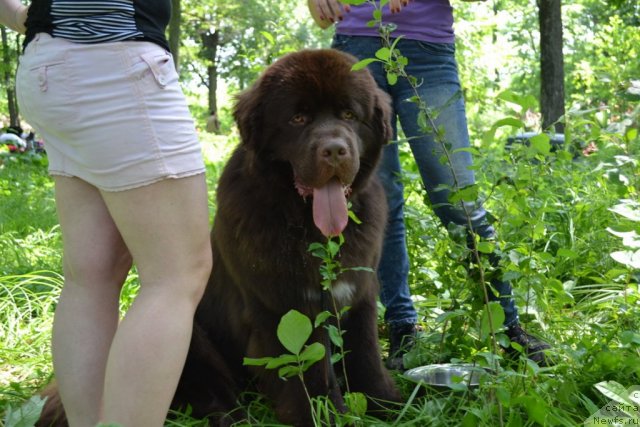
<point>311,111</point>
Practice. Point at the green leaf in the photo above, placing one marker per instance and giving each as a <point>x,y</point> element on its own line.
<point>629,209</point>
<point>318,250</point>
<point>508,121</point>
<point>486,247</point>
<point>504,395</point>
<point>289,371</point>
<point>321,318</point>
<point>628,258</point>
<point>448,315</point>
<point>567,253</point>
<point>539,230</point>
<point>465,194</point>
<point>525,102</point>
<point>384,54</point>
<point>313,353</point>
<point>423,121</point>
<point>469,420</point>
<point>497,319</point>
<point>269,37</point>
<point>333,248</point>
<point>541,143</point>
<point>366,269</point>
<point>250,361</point>
<point>362,64</point>
<point>285,359</point>
<point>536,408</point>
<point>294,330</point>
<point>392,78</point>
<point>473,150</point>
<point>354,217</point>
<point>614,391</point>
<point>629,337</point>
<point>630,239</point>
<point>336,357</point>
<point>335,336</point>
<point>27,415</point>
<point>356,402</point>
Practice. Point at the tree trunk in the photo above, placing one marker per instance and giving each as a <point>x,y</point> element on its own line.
<point>8,81</point>
<point>210,42</point>
<point>551,64</point>
<point>175,32</point>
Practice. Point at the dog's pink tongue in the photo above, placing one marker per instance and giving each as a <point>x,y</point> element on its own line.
<point>330,208</point>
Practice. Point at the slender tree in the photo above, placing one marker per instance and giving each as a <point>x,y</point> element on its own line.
<point>175,31</point>
<point>8,71</point>
<point>210,42</point>
<point>551,64</point>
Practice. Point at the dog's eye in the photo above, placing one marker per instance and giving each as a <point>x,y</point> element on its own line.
<point>348,115</point>
<point>299,119</point>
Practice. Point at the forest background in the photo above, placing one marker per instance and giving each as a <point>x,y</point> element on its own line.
<point>568,217</point>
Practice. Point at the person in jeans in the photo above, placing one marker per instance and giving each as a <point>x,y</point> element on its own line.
<point>426,27</point>
<point>96,80</point>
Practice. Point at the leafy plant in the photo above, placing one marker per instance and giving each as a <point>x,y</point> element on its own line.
<point>293,332</point>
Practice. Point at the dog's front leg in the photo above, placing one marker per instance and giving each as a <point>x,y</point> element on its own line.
<point>291,395</point>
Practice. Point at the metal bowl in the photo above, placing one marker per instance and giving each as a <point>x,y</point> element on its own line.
<point>447,375</point>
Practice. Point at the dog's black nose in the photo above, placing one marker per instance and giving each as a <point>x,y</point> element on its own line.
<point>333,150</point>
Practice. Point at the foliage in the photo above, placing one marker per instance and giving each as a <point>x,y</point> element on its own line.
<point>560,215</point>
<point>293,332</point>
<point>25,416</point>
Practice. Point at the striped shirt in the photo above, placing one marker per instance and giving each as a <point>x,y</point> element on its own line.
<point>94,21</point>
<point>100,21</point>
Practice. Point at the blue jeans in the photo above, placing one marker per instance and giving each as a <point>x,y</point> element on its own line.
<point>435,67</point>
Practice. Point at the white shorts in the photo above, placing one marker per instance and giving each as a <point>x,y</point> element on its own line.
<point>111,114</point>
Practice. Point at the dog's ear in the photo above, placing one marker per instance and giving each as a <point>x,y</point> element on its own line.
<point>382,113</point>
<point>248,116</point>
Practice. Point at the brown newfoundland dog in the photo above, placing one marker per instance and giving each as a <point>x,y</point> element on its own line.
<point>312,131</point>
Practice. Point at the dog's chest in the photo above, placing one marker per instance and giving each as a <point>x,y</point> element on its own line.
<point>341,291</point>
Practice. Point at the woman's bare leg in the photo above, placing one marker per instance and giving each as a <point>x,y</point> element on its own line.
<point>132,368</point>
<point>166,228</point>
<point>96,263</point>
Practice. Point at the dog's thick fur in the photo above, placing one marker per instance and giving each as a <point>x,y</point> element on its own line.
<point>312,132</point>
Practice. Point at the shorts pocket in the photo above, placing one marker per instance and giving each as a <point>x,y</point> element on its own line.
<point>43,73</point>
<point>43,91</point>
<point>162,67</point>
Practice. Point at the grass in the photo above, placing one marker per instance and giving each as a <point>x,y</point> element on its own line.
<point>553,213</point>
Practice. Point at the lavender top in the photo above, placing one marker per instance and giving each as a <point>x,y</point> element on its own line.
<point>424,20</point>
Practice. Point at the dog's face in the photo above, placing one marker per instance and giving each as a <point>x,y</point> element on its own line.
<point>328,123</point>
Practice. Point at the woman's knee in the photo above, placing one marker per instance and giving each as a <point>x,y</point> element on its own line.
<point>185,276</point>
<point>109,269</point>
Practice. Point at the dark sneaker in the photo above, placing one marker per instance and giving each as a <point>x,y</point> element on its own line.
<point>532,347</point>
<point>402,338</point>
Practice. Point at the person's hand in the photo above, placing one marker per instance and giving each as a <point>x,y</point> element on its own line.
<point>21,18</point>
<point>396,6</point>
<point>13,14</point>
<point>326,12</point>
